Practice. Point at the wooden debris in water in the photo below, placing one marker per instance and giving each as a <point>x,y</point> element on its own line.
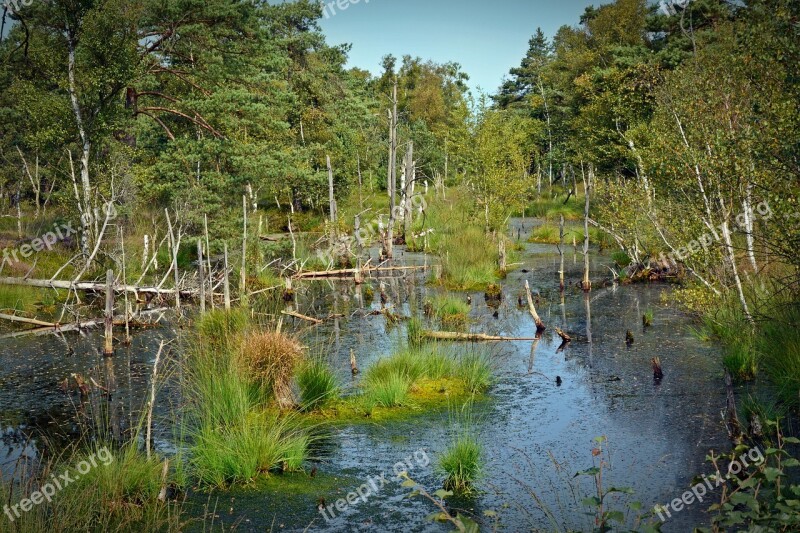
<point>537,320</point>
<point>473,337</point>
<point>658,373</point>
<point>353,366</point>
<point>563,335</point>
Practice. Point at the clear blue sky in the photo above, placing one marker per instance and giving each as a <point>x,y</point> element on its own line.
<point>486,37</point>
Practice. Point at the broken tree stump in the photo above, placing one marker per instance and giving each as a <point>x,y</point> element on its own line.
<point>540,327</point>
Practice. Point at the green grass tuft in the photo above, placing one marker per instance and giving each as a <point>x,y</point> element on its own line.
<point>318,384</point>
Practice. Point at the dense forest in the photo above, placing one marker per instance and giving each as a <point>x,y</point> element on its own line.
<point>672,131</point>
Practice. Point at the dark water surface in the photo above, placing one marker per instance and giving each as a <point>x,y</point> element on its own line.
<point>536,434</point>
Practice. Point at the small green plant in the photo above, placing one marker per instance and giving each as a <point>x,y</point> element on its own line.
<point>318,384</point>
<point>389,390</point>
<point>476,370</point>
<point>462,462</point>
<point>605,516</point>
<point>763,496</point>
<point>462,523</point>
<point>647,318</point>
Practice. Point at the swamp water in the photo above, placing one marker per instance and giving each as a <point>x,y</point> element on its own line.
<point>536,434</point>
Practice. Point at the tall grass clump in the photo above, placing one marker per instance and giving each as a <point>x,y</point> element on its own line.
<point>218,328</point>
<point>415,332</point>
<point>475,370</point>
<point>235,436</point>
<point>120,492</point>
<point>462,462</point>
<point>469,259</point>
<point>778,348</point>
<point>257,445</point>
<point>317,383</point>
<point>270,360</point>
<point>449,309</point>
<point>728,324</point>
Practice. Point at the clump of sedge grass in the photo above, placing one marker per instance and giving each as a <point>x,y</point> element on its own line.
<point>256,445</point>
<point>317,383</point>
<point>462,461</point>
<point>450,310</point>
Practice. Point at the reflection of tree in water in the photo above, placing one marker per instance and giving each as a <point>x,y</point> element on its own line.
<point>19,454</point>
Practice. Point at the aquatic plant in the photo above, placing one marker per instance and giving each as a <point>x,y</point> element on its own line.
<point>647,318</point>
<point>387,389</point>
<point>462,462</point>
<point>317,383</point>
<point>255,445</point>
<point>451,310</point>
<point>415,331</point>
<point>218,328</point>
<point>475,368</point>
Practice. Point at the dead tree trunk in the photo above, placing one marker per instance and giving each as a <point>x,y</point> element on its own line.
<point>331,200</point>
<point>108,345</point>
<point>388,251</point>
<point>243,271</point>
<point>227,281</point>
<point>202,275</point>
<point>561,253</point>
<point>501,255</point>
<point>174,245</point>
<point>408,191</point>
<point>536,319</point>
<point>587,284</point>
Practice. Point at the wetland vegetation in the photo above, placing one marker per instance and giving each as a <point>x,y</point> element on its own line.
<point>255,279</point>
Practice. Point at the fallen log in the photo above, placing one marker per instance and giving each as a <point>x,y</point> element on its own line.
<point>23,320</point>
<point>78,326</point>
<point>302,317</point>
<point>91,286</point>
<point>473,337</point>
<point>353,271</point>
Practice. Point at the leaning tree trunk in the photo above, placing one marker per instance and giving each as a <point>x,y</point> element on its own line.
<point>86,208</point>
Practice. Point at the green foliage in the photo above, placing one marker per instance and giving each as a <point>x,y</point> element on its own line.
<point>778,346</point>
<point>476,369</point>
<point>462,462</point>
<point>253,446</point>
<point>318,384</point>
<point>120,492</point>
<point>763,497</point>
<point>467,262</point>
<point>451,310</point>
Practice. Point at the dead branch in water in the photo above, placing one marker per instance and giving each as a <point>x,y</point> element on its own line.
<point>353,271</point>
<point>540,327</point>
<point>78,326</point>
<point>473,337</point>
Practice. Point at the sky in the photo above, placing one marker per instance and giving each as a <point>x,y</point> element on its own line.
<point>486,37</point>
